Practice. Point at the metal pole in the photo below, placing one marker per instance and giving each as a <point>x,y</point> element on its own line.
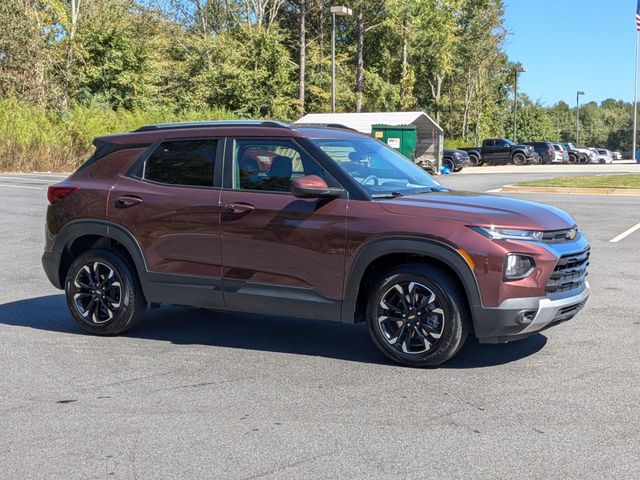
<point>515,105</point>
<point>333,63</point>
<point>577,117</point>
<point>635,107</point>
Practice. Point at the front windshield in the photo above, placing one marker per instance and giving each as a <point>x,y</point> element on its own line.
<point>380,170</point>
<point>509,142</point>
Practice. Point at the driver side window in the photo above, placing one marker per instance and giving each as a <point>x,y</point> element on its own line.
<point>271,164</point>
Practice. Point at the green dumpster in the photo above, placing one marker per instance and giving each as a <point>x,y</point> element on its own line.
<point>403,138</point>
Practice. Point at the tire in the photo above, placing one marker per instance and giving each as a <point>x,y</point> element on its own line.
<point>573,159</point>
<point>459,169</point>
<point>447,162</point>
<point>117,306</point>
<point>475,161</point>
<point>445,330</point>
<point>519,159</point>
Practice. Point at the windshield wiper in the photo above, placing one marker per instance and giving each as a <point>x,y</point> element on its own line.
<point>387,195</point>
<point>434,189</point>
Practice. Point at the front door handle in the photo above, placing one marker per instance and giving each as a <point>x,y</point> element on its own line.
<point>126,201</point>
<point>238,208</point>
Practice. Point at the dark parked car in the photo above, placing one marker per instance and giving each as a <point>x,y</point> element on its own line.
<point>545,150</point>
<point>340,227</point>
<point>499,151</point>
<point>455,160</point>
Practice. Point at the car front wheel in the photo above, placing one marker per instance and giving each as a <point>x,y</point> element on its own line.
<point>103,293</point>
<point>449,164</point>
<point>418,316</point>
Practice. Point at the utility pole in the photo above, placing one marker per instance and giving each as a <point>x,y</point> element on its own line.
<point>578,93</point>
<point>518,69</point>
<point>342,12</point>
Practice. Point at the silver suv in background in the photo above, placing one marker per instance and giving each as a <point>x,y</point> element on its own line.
<point>562,154</point>
<point>602,155</point>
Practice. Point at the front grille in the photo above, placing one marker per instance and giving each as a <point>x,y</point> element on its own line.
<point>559,236</point>
<point>570,272</point>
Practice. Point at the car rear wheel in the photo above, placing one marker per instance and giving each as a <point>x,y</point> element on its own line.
<point>519,159</point>
<point>418,315</point>
<point>475,161</point>
<point>103,293</point>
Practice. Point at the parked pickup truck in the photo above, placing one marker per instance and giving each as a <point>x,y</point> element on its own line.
<point>498,151</point>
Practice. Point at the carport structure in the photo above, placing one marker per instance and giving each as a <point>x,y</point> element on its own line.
<point>430,142</point>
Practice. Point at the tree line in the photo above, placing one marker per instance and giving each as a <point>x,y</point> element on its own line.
<point>72,69</point>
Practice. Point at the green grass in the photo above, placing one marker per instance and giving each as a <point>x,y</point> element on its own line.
<point>605,181</point>
<point>35,139</point>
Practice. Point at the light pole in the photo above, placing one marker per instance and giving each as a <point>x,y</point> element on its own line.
<point>578,93</point>
<point>341,12</point>
<point>518,69</point>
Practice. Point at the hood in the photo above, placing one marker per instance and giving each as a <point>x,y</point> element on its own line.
<point>525,147</point>
<point>481,209</point>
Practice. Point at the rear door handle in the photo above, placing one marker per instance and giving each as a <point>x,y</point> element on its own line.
<point>239,207</point>
<point>127,201</point>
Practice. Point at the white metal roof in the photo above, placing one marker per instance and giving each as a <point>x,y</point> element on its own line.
<point>363,121</point>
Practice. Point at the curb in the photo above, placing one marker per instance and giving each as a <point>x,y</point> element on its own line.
<point>621,192</point>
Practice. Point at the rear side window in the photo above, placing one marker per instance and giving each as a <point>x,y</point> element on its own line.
<point>188,163</point>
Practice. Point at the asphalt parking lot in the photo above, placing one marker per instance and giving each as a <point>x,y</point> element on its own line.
<point>195,394</point>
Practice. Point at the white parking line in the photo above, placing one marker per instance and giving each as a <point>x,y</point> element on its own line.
<point>625,234</point>
<point>27,179</point>
<point>20,186</point>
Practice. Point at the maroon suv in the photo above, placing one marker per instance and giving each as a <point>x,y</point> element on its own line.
<point>337,226</point>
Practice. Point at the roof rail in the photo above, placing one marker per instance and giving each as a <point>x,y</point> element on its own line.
<point>212,123</point>
<point>325,125</point>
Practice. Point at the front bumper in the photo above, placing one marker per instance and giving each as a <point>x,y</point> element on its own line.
<point>518,318</point>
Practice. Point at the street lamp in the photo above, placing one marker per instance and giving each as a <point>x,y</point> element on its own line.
<point>578,93</point>
<point>518,69</point>
<point>341,12</point>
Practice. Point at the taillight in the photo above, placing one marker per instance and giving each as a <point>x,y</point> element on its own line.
<point>57,193</point>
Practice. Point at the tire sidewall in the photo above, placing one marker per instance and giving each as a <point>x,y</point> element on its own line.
<point>446,162</point>
<point>454,332</point>
<point>519,159</point>
<point>131,293</point>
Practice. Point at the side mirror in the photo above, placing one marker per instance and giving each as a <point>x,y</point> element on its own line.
<point>312,186</point>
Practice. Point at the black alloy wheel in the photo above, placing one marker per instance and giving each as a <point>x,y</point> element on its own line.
<point>103,292</point>
<point>418,315</point>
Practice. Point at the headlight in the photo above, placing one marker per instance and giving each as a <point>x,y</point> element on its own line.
<point>509,234</point>
<point>517,266</point>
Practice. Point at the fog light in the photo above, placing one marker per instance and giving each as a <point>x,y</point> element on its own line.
<point>527,317</point>
<point>518,266</point>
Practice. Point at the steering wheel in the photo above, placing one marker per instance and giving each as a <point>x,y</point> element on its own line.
<point>368,178</point>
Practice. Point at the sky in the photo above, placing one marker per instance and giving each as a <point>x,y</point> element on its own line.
<point>571,45</point>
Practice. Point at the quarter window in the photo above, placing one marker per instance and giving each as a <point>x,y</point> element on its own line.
<point>187,163</point>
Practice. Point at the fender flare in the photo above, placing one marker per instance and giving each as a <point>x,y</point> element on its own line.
<point>102,228</point>
<point>428,248</point>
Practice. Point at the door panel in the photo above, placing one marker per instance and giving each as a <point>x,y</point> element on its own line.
<point>178,230</point>
<point>288,248</point>
<point>281,254</point>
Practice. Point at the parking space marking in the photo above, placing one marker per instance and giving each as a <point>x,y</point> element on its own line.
<point>28,179</point>
<point>20,186</point>
<point>625,234</point>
